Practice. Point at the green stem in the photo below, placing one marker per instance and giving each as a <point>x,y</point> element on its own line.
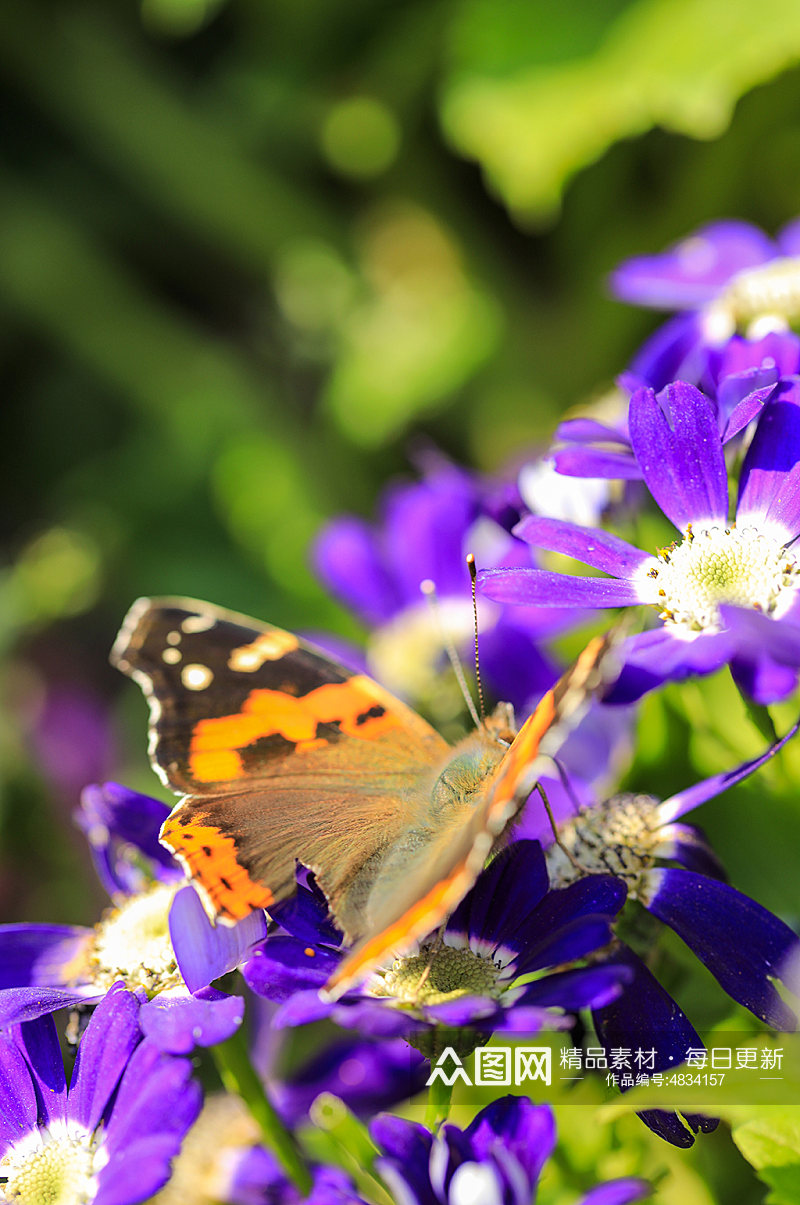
<point>438,1104</point>
<point>239,1077</point>
<point>759,716</point>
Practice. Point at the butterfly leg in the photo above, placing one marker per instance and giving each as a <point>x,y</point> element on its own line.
<point>432,952</point>
<point>585,870</point>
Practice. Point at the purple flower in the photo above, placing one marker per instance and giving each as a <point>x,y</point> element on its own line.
<point>727,277</point>
<point>726,591</point>
<point>509,927</point>
<point>157,936</point>
<point>669,869</point>
<point>425,531</point>
<point>110,1137</point>
<point>497,1160</point>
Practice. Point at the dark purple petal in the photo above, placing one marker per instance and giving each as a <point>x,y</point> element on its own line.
<point>684,801</point>
<point>504,896</point>
<point>588,544</point>
<point>589,987</point>
<point>19,1108</point>
<point>105,1051</point>
<point>528,1019</point>
<point>753,633</point>
<point>595,462</point>
<point>407,1146</point>
<point>204,951</point>
<point>281,966</point>
<point>568,919</point>
<point>305,916</point>
<point>676,439</point>
<point>741,943</point>
<point>177,1025</point>
<point>769,485</point>
<point>367,1076</point>
<point>692,271</point>
<point>645,1017</point>
<point>157,1096</point>
<point>40,955</point>
<point>514,1124</point>
<point>39,1042</point>
<point>543,588</point>
<point>19,1004</point>
<point>761,679</point>
<point>301,1008</point>
<point>122,826</point>
<point>661,655</point>
<point>374,1018</point>
<point>136,1172</point>
<point>618,1192</point>
<point>477,1011</point>
<point>348,558</point>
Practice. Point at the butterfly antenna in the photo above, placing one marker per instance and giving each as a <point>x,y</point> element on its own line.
<point>473,573</point>
<point>428,588</point>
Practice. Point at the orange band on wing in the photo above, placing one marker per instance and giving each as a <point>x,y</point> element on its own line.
<point>210,858</point>
<point>356,710</point>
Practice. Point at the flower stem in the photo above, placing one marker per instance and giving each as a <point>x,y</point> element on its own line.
<point>239,1077</point>
<point>438,1104</point>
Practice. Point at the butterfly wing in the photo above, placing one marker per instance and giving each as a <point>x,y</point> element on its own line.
<point>283,755</point>
<point>411,901</point>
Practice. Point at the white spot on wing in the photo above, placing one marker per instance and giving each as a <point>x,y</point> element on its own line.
<point>173,637</point>
<point>196,677</point>
<point>198,623</point>
<point>171,656</point>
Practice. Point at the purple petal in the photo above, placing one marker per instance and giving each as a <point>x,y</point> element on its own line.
<point>425,527</point>
<point>19,1110</point>
<point>688,846</point>
<point>178,1025</point>
<point>588,544</point>
<point>464,1011</point>
<point>589,430</point>
<point>281,966</point>
<point>513,664</point>
<point>19,1004</point>
<point>122,826</point>
<point>684,801</point>
<point>305,916</point>
<point>674,352</point>
<point>41,955</point>
<point>741,412</point>
<point>348,558</point>
<point>516,1125</point>
<point>42,1050</point>
<point>204,951</point>
<point>676,440</point>
<point>618,1192</point>
<point>759,677</point>
<point>367,1076</point>
<point>660,655</point>
<point>138,1171</point>
<point>301,1008</point>
<point>788,238</point>
<point>407,1147</point>
<point>375,1018</point>
<point>692,271</point>
<point>105,1051</point>
<point>741,943</point>
<point>595,462</point>
<point>157,1096</point>
<point>769,486</point>
<point>542,588</point>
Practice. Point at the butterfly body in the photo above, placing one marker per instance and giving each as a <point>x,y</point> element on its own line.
<point>283,756</point>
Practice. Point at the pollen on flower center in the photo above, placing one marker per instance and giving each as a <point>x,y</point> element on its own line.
<point>433,976</point>
<point>771,290</point>
<point>132,942</point>
<point>618,836</point>
<point>712,566</point>
<point>50,1170</point>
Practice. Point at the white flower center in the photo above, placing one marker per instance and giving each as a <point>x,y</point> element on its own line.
<point>433,976</point>
<point>49,1168</point>
<point>618,836</point>
<point>132,942</point>
<point>741,566</point>
<point>405,654</point>
<point>757,299</point>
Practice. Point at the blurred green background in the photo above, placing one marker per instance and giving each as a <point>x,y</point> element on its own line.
<point>254,253</point>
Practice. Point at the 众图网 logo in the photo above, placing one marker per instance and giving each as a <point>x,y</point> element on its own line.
<point>503,1066</point>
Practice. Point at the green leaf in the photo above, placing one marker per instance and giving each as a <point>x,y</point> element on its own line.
<point>678,64</point>
<point>770,1141</point>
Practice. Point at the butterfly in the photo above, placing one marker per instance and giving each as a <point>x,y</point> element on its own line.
<point>285,757</point>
